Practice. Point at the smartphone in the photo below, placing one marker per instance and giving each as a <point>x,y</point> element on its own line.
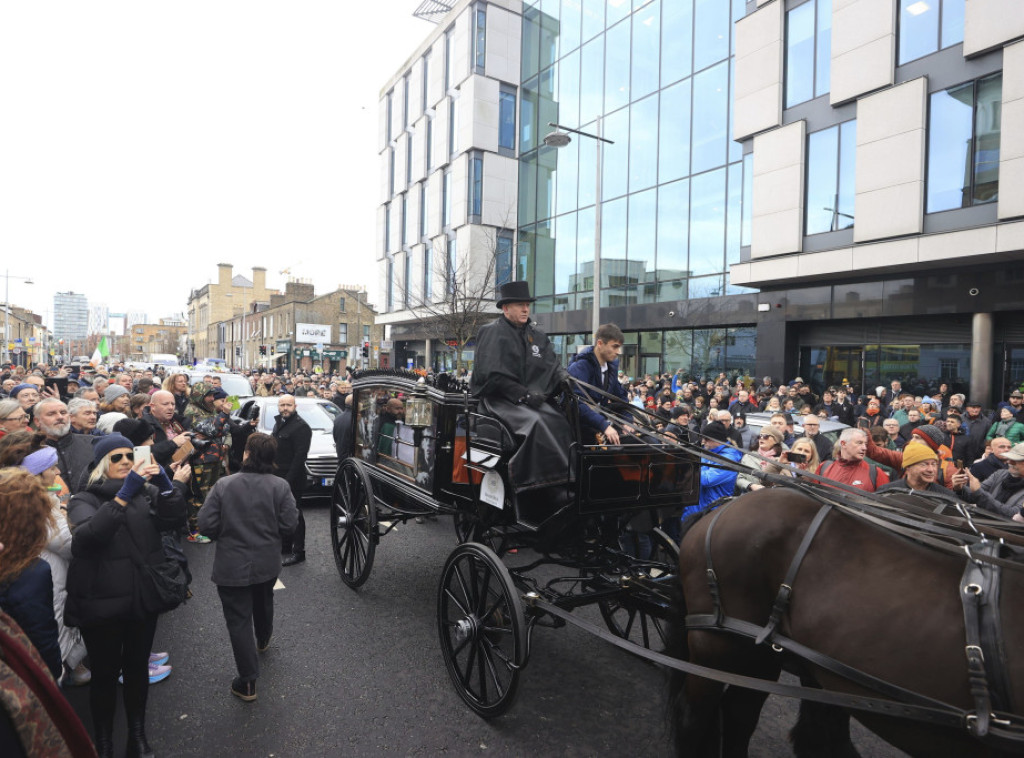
<point>60,382</point>
<point>143,453</point>
<point>960,464</point>
<point>796,457</point>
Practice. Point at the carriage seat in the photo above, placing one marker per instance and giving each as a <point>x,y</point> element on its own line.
<point>490,434</point>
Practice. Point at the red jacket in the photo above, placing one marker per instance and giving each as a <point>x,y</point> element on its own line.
<point>854,473</point>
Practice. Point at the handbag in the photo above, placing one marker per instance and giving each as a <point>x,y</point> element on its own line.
<point>164,585</point>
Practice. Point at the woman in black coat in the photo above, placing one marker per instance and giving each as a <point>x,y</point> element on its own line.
<point>247,514</point>
<point>115,525</point>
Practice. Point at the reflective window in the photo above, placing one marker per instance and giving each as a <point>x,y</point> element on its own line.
<point>530,42</point>
<point>476,186</point>
<point>583,280</point>
<point>614,269</point>
<point>710,118</point>
<point>963,145</point>
<point>591,81</point>
<point>830,178</point>
<point>548,41</point>
<point>428,144</point>
<point>646,49</point>
<point>407,281</point>
<point>546,161</point>
<point>446,198</point>
<point>425,82</point>
<point>926,26</point>
<point>615,11</point>
<point>480,39</point>
<point>569,89</point>
<point>390,297</point>
<point>673,226</point>
<point>404,228</point>
<point>808,51</point>
<point>707,223</point>
<point>428,274</point>
<point>643,210</point>
<point>524,254</point>
<point>616,156</point>
<point>391,171</point>
<point>528,190</point>
<point>569,24</point>
<point>387,227</point>
<point>528,117</point>
<point>616,67</point>
<point>453,126</point>
<point>593,19</point>
<point>507,118</point>
<point>676,40</point>
<point>734,213</point>
<point>503,258</point>
<point>449,41</point>
<point>643,144</point>
<point>405,100</point>
<point>544,261</point>
<point>389,108</point>
<point>567,175</point>
<point>711,32</point>
<point>674,139</point>
<point>564,231</point>
<point>424,211</point>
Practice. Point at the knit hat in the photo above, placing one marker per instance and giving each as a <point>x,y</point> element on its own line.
<point>23,386</point>
<point>109,443</point>
<point>113,392</point>
<point>42,459</point>
<point>105,425</point>
<point>716,431</point>
<point>137,430</point>
<point>916,453</point>
<point>931,434</point>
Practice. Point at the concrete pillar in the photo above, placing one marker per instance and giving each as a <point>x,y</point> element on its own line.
<point>428,355</point>
<point>981,359</point>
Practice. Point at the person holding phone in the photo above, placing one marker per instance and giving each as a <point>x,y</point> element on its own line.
<point>115,519</point>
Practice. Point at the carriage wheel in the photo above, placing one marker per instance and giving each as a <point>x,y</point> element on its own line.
<point>482,629</point>
<point>353,523</point>
<point>634,618</point>
<point>465,525</point>
<point>665,550</point>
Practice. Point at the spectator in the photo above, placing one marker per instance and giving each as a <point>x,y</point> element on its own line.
<point>247,514</point>
<point>107,421</point>
<point>26,584</point>
<point>715,482</point>
<point>137,405</point>
<point>26,394</point>
<point>929,435</point>
<point>88,393</point>
<point>83,414</point>
<point>168,434</point>
<point>769,447</point>
<point>993,461</point>
<point>1003,491</point>
<point>1015,401</point>
<point>207,416</point>
<point>115,400</point>
<point>13,418</point>
<point>177,385</point>
<point>806,449</point>
<point>872,415</point>
<point>725,419</point>
<point>812,427</point>
<point>1007,426</point>
<point>920,474</point>
<point>746,433</point>
<point>293,437</point>
<point>905,402</point>
<point>74,451</point>
<point>893,440</point>
<point>850,467</point>
<point>956,440</point>
<point>828,405</point>
<point>784,423</point>
<point>344,430</point>
<point>114,521</point>
<point>742,404</point>
<point>846,414</point>
<point>915,421</point>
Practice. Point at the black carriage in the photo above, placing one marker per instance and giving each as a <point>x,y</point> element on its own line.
<point>424,447</point>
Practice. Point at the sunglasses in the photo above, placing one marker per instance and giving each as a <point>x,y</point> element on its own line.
<point>765,437</point>
<point>116,457</point>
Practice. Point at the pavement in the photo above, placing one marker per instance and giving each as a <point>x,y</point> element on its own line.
<point>360,673</point>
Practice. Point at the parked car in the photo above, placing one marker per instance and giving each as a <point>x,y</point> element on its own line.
<point>828,429</point>
<point>322,461</point>
<point>233,384</point>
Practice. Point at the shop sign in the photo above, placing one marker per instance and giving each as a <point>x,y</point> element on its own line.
<point>313,333</point>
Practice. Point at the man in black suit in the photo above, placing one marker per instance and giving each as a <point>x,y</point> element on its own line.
<point>293,437</point>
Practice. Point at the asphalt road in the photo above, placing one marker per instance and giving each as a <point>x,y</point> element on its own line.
<point>361,674</point>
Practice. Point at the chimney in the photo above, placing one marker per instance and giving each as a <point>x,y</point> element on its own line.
<point>224,274</point>
<point>259,279</point>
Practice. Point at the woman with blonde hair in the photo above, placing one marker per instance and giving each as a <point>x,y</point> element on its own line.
<point>177,385</point>
<point>805,448</point>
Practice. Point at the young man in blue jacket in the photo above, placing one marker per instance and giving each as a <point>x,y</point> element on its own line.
<point>598,366</point>
<point>715,482</point>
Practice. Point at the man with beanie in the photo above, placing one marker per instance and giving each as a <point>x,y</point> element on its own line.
<point>851,468</point>
<point>920,472</point>
<point>929,435</point>
<point>715,482</point>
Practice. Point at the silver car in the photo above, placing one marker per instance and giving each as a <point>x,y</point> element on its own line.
<point>828,429</point>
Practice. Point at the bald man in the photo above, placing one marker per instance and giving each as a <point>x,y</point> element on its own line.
<point>293,437</point>
<point>168,434</point>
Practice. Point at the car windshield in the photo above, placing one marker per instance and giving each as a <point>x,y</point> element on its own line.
<point>319,416</point>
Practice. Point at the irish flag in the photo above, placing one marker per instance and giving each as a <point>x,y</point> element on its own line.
<point>101,352</point>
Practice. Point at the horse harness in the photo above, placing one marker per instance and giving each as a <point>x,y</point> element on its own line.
<point>991,721</point>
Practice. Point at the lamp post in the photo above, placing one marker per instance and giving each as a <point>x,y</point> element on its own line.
<point>559,138</point>
<point>7,310</point>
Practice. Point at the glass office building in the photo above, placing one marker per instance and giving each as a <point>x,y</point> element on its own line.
<point>675,187</point>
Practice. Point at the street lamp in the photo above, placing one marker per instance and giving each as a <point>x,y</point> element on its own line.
<point>557,139</point>
<point>7,310</point>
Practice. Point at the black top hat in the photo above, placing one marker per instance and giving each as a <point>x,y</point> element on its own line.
<point>514,292</point>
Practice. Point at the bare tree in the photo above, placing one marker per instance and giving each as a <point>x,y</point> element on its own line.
<point>456,298</point>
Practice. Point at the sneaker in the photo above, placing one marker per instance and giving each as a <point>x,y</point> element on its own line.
<point>244,690</point>
<point>158,659</point>
<point>262,645</point>
<point>76,677</point>
<point>198,538</point>
<point>156,674</point>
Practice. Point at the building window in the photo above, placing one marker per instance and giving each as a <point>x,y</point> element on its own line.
<point>428,146</point>
<point>453,125</point>
<point>480,39</point>
<point>507,118</point>
<point>341,305</point>
<point>502,258</point>
<point>389,106</point>
<point>342,334</point>
<point>366,332</point>
<point>405,100</point>
<point>476,186</point>
<point>408,161</point>
<point>390,286</point>
<point>452,265</point>
<point>929,26</point>
<point>808,51</point>
<point>830,178</point>
<point>391,171</point>
<point>423,210</point>
<point>407,281</point>
<point>428,274</point>
<point>449,41</point>
<point>404,220</point>
<point>425,101</point>
<point>963,145</point>
<point>387,227</point>
<point>446,199</point>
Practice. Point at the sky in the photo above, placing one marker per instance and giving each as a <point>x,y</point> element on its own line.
<point>142,143</point>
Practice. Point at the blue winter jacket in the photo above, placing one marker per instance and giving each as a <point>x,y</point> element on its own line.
<point>585,367</point>
<point>715,482</point>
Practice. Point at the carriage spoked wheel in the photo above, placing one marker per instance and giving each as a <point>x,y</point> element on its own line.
<point>482,629</point>
<point>469,527</point>
<point>353,523</point>
<point>638,619</point>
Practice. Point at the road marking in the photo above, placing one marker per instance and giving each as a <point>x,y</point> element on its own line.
<point>278,585</point>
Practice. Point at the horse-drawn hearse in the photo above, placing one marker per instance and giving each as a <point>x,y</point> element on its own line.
<point>903,611</point>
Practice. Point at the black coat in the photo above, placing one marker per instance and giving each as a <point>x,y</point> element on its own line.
<point>987,466</point>
<point>163,449</point>
<point>343,432</point>
<point>293,437</point>
<point>104,583</point>
<point>74,458</point>
<point>29,601</point>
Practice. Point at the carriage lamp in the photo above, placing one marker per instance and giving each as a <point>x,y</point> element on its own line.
<point>419,412</point>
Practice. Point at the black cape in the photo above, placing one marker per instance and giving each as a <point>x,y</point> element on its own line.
<point>511,361</point>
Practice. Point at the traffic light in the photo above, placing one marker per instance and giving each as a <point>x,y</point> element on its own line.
<point>263,349</point>
<point>366,349</point>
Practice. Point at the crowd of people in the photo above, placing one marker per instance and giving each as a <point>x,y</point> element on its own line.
<point>103,474</point>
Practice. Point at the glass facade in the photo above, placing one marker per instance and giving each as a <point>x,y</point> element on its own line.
<point>830,178</point>
<point>808,51</point>
<point>928,26</point>
<point>659,74</point>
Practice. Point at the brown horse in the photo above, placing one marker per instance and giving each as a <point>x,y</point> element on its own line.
<point>863,595</point>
